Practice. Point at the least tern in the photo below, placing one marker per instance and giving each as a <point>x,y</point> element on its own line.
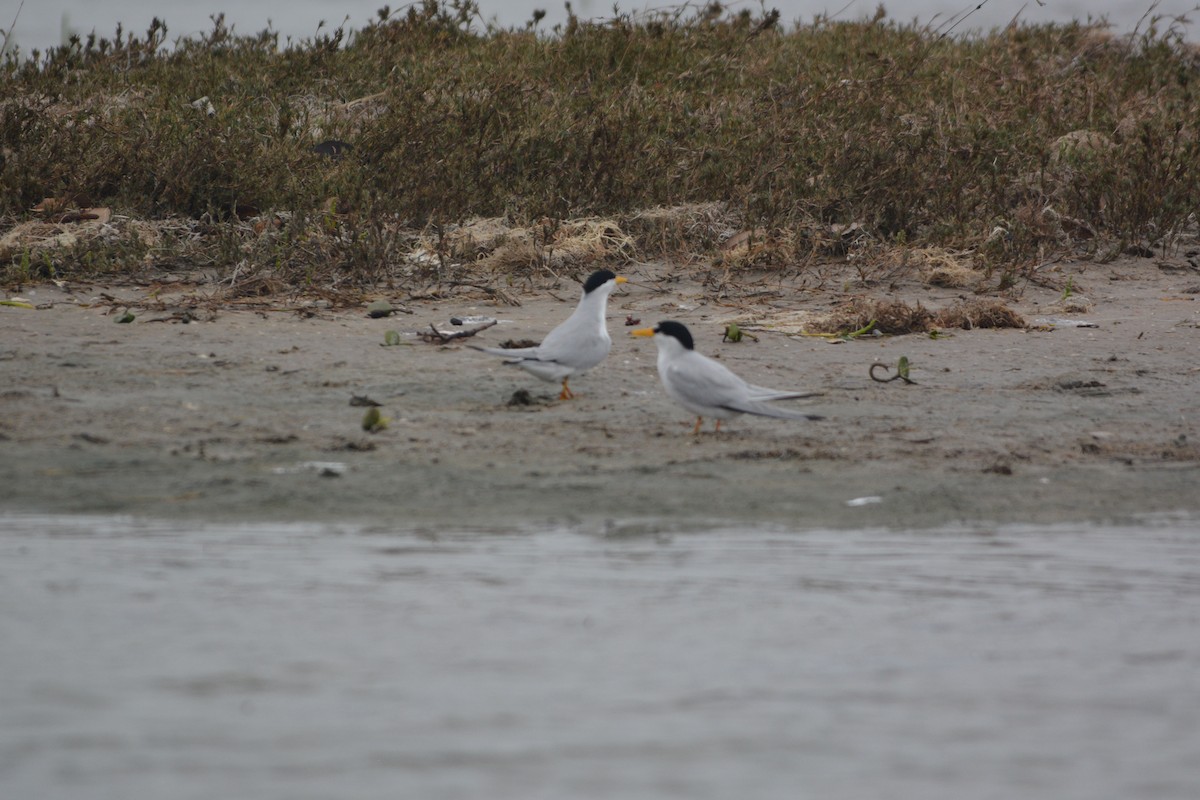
<point>578,344</point>
<point>709,389</point>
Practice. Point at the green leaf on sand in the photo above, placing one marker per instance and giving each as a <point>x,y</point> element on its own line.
<point>373,421</point>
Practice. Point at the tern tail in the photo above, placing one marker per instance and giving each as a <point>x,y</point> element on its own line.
<point>762,409</point>
<point>517,353</point>
<point>763,393</point>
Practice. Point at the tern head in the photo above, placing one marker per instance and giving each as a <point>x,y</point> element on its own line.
<point>674,330</point>
<point>599,278</point>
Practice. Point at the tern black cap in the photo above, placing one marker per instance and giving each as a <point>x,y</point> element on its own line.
<point>678,330</point>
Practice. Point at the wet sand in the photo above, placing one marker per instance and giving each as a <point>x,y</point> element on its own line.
<point>245,414</point>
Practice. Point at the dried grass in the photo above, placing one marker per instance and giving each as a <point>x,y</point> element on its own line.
<point>684,231</point>
<point>584,242</point>
<point>495,245</point>
<point>757,249</point>
<point>75,229</point>
<point>979,313</point>
<point>889,316</point>
<point>897,317</point>
<point>474,239</point>
<point>37,235</point>
<point>1079,147</point>
<point>950,269</point>
<point>1074,304</point>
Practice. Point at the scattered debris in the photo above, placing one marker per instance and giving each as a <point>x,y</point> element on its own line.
<point>860,316</point>
<point>1070,302</point>
<point>1074,304</point>
<point>185,316</point>
<point>326,469</point>
<point>380,308</point>
<point>278,438</point>
<point>391,339</point>
<point>979,313</point>
<point>434,336</point>
<point>363,400</point>
<point>891,316</point>
<point>98,215</point>
<point>1050,323</point>
<point>901,372</point>
<point>521,397</point>
<point>630,321</point>
<point>205,105</point>
<point>125,318</point>
<point>56,205</point>
<point>1090,388</point>
<point>734,334</point>
<point>864,501</point>
<point>845,336</point>
<point>374,421</point>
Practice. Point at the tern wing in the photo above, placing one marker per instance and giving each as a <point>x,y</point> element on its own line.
<point>703,382</point>
<point>763,393</point>
<point>578,344</point>
<point>574,339</point>
<point>763,409</point>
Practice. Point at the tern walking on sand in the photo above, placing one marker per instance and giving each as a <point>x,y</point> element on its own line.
<point>578,344</point>
<point>709,389</point>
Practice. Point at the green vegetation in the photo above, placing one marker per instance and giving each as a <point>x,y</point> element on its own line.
<point>1016,145</point>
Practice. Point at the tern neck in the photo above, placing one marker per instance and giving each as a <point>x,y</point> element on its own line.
<point>592,305</point>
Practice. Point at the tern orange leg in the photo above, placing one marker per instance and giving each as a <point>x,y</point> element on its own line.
<point>566,393</point>
<point>718,428</point>
<point>696,430</point>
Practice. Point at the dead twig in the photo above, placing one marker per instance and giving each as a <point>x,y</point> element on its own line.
<point>499,294</point>
<point>434,336</point>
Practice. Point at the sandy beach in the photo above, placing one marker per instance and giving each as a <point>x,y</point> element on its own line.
<point>236,413</point>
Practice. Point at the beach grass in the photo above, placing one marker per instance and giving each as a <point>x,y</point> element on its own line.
<point>686,128</point>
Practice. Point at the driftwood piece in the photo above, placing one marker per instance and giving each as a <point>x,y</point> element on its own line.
<point>434,336</point>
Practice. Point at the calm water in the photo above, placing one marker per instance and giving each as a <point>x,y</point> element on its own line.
<point>41,21</point>
<point>143,661</point>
